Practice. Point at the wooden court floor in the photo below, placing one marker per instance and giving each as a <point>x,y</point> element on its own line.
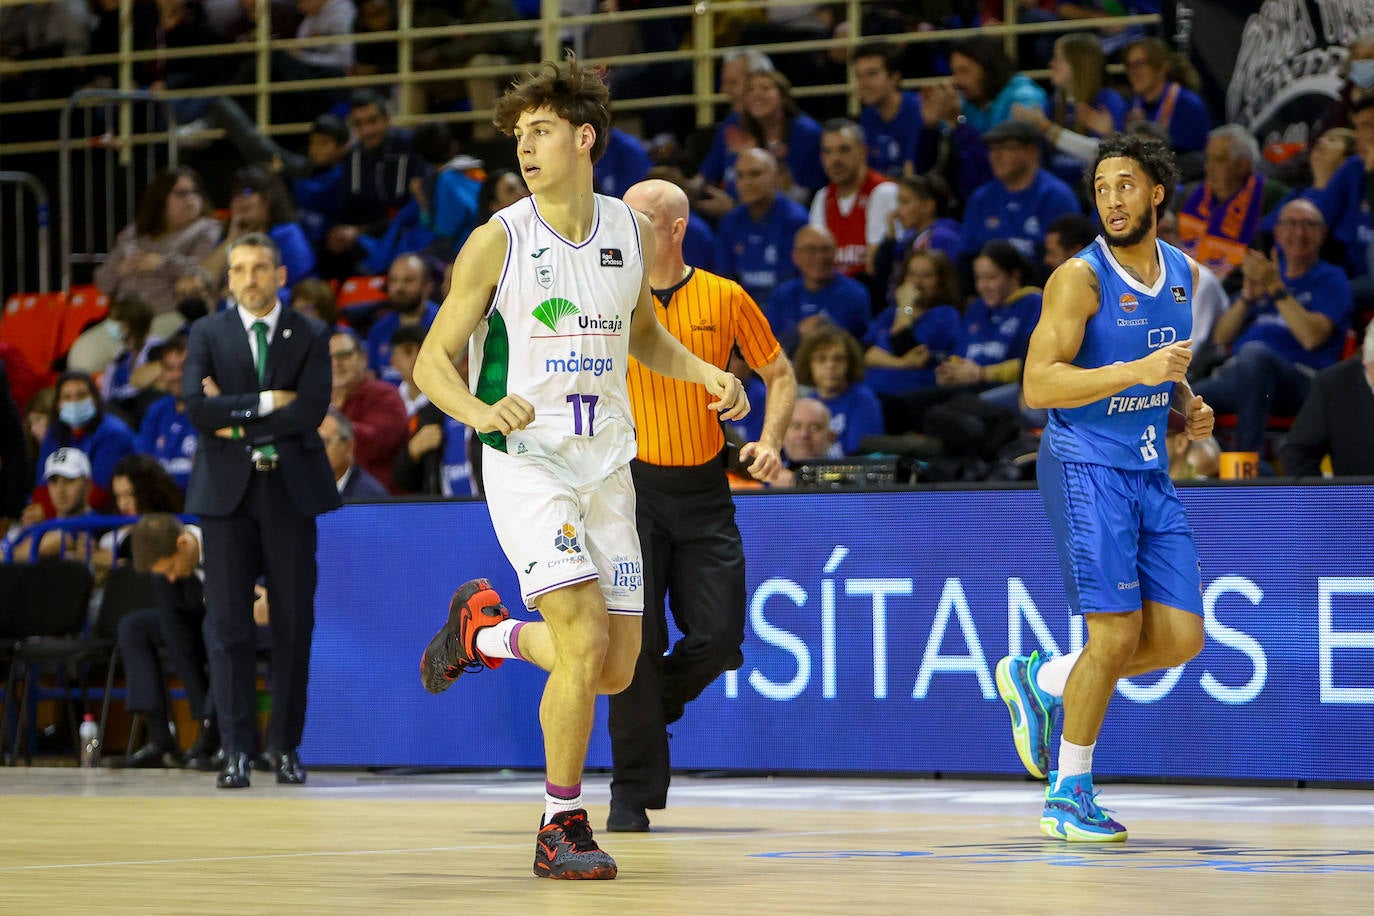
<point>74,841</point>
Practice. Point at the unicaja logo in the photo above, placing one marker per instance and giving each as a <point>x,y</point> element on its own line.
<point>549,311</point>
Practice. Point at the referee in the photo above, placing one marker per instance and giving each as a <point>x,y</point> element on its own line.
<point>685,516</point>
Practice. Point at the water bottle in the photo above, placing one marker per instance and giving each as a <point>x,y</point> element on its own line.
<point>90,742</point>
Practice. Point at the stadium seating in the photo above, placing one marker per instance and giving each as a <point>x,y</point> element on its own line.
<point>32,322</point>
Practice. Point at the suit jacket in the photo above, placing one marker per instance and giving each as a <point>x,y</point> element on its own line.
<point>362,485</point>
<point>1336,419</point>
<point>297,360</point>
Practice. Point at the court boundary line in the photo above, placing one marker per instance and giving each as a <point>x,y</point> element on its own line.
<point>259,857</point>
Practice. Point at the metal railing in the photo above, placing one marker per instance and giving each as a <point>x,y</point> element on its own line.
<point>112,160</point>
<point>24,227</point>
<point>101,161</point>
<point>702,55</point>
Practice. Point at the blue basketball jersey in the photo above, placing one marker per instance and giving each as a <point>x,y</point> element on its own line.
<point>1127,429</point>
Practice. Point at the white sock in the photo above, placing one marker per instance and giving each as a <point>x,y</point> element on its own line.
<point>1074,760</point>
<point>553,805</point>
<point>498,641</point>
<point>1051,676</point>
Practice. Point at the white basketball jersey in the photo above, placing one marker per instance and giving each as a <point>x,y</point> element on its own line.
<point>558,335</point>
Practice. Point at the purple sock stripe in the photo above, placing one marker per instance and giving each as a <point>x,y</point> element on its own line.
<point>515,640</point>
<point>563,793</point>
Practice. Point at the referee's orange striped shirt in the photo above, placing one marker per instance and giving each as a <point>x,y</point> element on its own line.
<point>709,314</point>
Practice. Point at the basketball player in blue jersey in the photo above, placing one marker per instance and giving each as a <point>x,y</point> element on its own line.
<point>1108,359</point>
<point>550,298</point>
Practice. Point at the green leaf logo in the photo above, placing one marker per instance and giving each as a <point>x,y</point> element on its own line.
<point>549,311</point>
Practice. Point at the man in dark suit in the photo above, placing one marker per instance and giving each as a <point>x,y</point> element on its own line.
<point>1337,419</point>
<point>257,385</point>
<point>353,481</point>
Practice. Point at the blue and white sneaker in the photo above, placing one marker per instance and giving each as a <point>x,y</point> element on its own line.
<point>1032,710</point>
<point>1071,813</point>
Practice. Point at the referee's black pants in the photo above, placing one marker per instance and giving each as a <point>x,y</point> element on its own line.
<point>693,553</point>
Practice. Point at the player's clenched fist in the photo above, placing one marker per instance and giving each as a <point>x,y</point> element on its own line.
<point>507,415</point>
<point>1168,364</point>
<point>1200,419</point>
<point>730,398</point>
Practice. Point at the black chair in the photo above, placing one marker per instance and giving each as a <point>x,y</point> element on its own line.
<point>125,591</point>
<point>44,620</point>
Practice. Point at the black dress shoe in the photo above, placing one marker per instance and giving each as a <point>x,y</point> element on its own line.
<point>289,769</point>
<point>627,819</point>
<point>149,757</point>
<point>235,772</point>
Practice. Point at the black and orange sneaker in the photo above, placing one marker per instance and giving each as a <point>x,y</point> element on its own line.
<point>565,849</point>
<point>453,649</point>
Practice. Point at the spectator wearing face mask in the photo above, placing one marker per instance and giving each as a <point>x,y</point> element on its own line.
<point>79,420</point>
<point>1358,84</point>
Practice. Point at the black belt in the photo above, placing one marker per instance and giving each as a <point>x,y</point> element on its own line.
<point>264,464</point>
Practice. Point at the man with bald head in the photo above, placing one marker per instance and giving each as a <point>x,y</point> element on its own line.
<point>1288,322</point>
<point>691,547</point>
<point>754,238</point>
<point>409,284</point>
<point>820,294</point>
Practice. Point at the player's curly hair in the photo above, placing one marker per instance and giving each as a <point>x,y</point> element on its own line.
<point>1154,156</point>
<point>575,93</point>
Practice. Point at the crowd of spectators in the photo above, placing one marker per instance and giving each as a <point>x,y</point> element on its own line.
<point>898,255</point>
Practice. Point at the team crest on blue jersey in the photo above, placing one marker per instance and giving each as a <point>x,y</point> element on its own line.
<point>1129,303</point>
<point>1179,294</point>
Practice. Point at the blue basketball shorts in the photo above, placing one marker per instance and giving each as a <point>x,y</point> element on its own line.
<point>1122,537</point>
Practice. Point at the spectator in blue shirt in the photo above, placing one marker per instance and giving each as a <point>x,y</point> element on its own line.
<point>315,177</point>
<point>918,329</point>
<point>830,362</point>
<point>624,163</point>
<point>317,180</point>
<point>166,432</point>
<point>79,420</point>
<point>754,240</point>
<point>774,120</point>
<point>1158,76</point>
<point>1329,154</point>
<point>1082,103</point>
<point>1289,320</point>
<point>820,295</point>
<point>992,344</point>
<point>1346,202</point>
<point>890,118</point>
<point>920,223</point>
<point>377,174</point>
<point>984,86</point>
<point>714,185</point>
<point>408,288</point>
<point>1021,200</point>
<point>259,202</point>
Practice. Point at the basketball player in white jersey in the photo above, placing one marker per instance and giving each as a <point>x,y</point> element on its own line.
<point>551,297</point>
